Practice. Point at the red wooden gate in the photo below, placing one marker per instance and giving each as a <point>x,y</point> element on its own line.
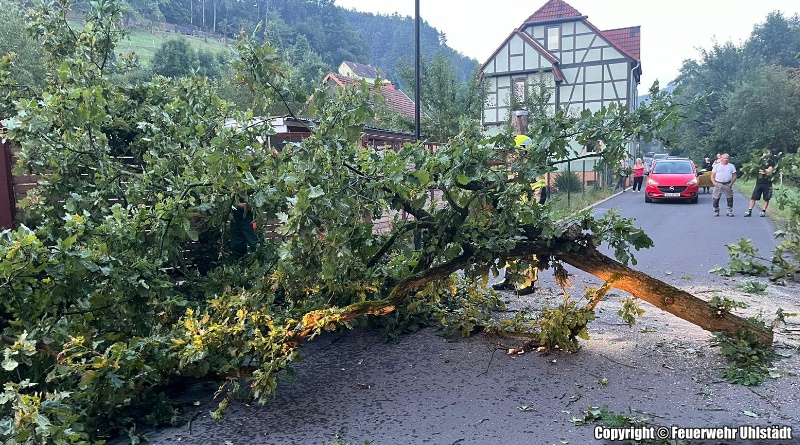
<point>8,205</point>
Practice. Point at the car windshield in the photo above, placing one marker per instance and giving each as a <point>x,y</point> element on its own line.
<point>672,167</point>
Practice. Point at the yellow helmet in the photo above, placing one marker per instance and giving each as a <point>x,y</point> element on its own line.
<point>521,140</point>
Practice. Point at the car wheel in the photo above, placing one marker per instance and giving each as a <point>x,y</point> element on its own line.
<point>693,200</point>
<point>648,200</point>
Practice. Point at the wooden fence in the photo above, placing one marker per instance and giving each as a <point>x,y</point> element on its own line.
<point>12,188</point>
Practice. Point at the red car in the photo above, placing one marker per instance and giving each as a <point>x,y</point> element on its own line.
<point>672,178</point>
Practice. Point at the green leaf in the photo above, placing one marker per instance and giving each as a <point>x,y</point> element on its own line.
<point>9,364</point>
<point>462,179</point>
<point>42,421</point>
<point>315,192</point>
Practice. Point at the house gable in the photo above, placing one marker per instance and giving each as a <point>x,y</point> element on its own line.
<point>520,53</point>
<point>589,68</point>
<point>357,70</point>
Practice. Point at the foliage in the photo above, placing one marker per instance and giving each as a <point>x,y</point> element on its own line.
<point>392,42</point>
<point>176,58</point>
<point>446,103</point>
<point>754,102</point>
<point>453,306</point>
<point>563,325</point>
<point>566,182</point>
<point>755,115</point>
<point>749,364</point>
<point>122,286</point>
<point>744,259</point>
<point>308,64</point>
<point>724,305</point>
<point>20,56</point>
<point>753,287</point>
<point>630,310</point>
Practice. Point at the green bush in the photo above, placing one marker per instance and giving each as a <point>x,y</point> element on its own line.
<point>568,182</point>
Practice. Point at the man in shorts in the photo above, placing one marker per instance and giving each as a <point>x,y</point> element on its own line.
<point>763,188</point>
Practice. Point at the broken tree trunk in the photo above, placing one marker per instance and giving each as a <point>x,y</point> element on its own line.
<point>662,295</point>
<point>578,250</point>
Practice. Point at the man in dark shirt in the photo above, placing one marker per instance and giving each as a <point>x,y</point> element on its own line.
<point>707,164</point>
<point>763,188</point>
<point>243,232</point>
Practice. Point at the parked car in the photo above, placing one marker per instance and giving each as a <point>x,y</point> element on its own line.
<point>672,178</point>
<point>656,157</point>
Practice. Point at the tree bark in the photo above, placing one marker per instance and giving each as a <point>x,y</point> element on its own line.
<point>663,295</point>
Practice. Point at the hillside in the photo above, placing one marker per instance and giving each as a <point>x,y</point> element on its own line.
<point>145,43</point>
<point>334,34</point>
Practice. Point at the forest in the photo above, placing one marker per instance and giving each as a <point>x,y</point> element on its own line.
<point>333,34</point>
<point>118,284</point>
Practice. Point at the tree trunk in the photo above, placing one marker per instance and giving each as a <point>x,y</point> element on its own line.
<point>662,295</point>
<point>576,249</point>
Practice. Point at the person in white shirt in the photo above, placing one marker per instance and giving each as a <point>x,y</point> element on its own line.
<point>723,175</point>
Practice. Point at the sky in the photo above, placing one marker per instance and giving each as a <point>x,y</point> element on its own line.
<point>672,31</point>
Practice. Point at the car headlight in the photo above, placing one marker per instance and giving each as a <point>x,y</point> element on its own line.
<point>692,182</point>
<point>652,182</point>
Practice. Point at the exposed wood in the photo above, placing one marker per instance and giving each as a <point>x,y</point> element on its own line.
<point>663,295</point>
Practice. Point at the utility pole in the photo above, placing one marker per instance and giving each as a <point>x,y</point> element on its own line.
<point>417,116</point>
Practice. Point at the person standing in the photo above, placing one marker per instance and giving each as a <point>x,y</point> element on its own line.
<point>243,230</point>
<point>638,175</point>
<point>707,164</point>
<point>538,195</point>
<point>763,188</point>
<point>623,173</point>
<point>723,175</point>
<point>716,161</point>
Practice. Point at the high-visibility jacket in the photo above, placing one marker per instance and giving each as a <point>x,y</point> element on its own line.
<point>539,190</point>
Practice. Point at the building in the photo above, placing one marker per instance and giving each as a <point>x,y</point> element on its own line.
<point>583,67</point>
<point>559,51</point>
<point>394,99</point>
<point>354,70</point>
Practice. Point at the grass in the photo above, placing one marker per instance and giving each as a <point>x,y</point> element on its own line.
<point>146,42</point>
<point>778,216</point>
<point>567,204</point>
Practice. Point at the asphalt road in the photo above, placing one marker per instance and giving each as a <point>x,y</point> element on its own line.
<point>689,240</point>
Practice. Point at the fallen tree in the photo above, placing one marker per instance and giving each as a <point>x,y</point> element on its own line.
<point>577,249</point>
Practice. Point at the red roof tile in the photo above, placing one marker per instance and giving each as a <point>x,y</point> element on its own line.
<point>393,98</point>
<point>553,10</point>
<point>626,39</point>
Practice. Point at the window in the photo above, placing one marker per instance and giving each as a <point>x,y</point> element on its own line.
<point>519,89</point>
<point>553,39</point>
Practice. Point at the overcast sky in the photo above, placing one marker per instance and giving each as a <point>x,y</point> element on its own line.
<point>672,31</point>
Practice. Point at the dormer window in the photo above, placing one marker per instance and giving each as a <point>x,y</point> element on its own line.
<point>553,39</point>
